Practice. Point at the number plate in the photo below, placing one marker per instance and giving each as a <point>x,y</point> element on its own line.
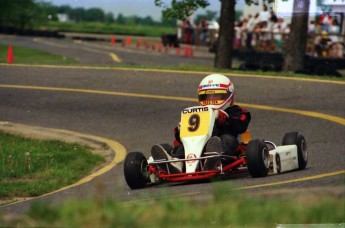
<point>195,124</point>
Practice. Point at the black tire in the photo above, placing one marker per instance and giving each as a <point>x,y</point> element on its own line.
<point>296,138</point>
<point>135,170</point>
<point>258,158</point>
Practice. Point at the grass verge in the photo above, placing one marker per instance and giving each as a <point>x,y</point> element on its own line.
<point>101,28</point>
<point>33,167</point>
<point>226,209</point>
<point>33,56</point>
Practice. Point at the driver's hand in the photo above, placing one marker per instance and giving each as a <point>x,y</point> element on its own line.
<point>222,117</point>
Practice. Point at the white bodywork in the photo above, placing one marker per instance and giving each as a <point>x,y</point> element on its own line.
<point>195,134</point>
<point>196,128</point>
<point>283,159</point>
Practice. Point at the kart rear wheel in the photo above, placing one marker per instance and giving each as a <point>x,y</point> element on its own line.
<point>135,170</point>
<point>258,158</point>
<point>296,138</point>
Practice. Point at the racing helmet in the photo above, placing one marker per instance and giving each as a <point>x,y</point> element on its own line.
<point>216,91</point>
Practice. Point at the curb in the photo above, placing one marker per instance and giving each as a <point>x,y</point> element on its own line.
<point>114,153</point>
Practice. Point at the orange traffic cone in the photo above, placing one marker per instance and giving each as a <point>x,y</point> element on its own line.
<point>139,42</point>
<point>178,52</point>
<point>190,51</point>
<point>113,40</point>
<point>159,48</point>
<point>185,51</point>
<point>128,41</point>
<point>147,45</point>
<point>10,58</point>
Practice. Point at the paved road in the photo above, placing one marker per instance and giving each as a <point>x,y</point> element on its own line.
<point>98,53</point>
<point>139,122</point>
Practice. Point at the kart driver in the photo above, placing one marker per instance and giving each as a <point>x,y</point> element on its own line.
<point>215,91</point>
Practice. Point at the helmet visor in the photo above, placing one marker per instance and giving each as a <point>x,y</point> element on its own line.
<point>213,96</point>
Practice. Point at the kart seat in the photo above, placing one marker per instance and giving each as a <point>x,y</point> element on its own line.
<point>246,137</point>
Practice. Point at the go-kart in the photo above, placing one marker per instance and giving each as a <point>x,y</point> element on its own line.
<point>258,157</point>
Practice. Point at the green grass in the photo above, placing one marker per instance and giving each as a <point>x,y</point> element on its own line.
<point>32,56</point>
<point>97,27</point>
<point>33,167</point>
<point>226,209</point>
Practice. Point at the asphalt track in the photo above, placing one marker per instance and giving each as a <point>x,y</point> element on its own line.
<point>139,108</point>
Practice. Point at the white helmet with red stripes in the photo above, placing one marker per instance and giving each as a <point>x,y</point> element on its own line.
<point>216,91</point>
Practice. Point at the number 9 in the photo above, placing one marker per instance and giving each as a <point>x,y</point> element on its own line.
<point>194,122</point>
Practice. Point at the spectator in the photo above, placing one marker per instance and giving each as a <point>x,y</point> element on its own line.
<point>322,44</point>
<point>273,17</point>
<point>213,30</point>
<point>312,28</point>
<point>265,36</point>
<point>243,32</point>
<point>250,30</point>
<point>318,27</point>
<point>325,21</point>
<point>256,30</point>
<point>256,19</point>
<point>203,29</point>
<point>286,28</point>
<point>277,31</point>
<point>188,30</point>
<point>238,34</point>
<point>264,14</point>
<point>337,50</point>
<point>334,30</point>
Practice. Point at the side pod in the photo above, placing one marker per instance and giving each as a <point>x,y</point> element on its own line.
<point>283,159</point>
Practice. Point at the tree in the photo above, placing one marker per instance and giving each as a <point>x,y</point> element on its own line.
<point>77,14</point>
<point>184,8</point>
<point>46,11</point>
<point>17,13</point>
<point>181,9</point>
<point>94,14</point>
<point>147,21</point>
<point>297,40</point>
<point>170,22</point>
<point>120,19</point>
<point>64,9</point>
<point>223,57</point>
<point>109,18</point>
<point>209,15</point>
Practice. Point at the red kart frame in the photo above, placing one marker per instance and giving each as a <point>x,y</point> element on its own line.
<point>233,168</point>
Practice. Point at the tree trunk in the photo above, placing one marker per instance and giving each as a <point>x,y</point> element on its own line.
<point>223,57</point>
<point>297,39</point>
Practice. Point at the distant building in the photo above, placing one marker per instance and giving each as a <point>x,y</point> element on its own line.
<point>63,17</point>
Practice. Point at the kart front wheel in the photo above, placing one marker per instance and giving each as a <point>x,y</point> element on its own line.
<point>135,170</point>
<point>258,158</point>
<point>296,138</point>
